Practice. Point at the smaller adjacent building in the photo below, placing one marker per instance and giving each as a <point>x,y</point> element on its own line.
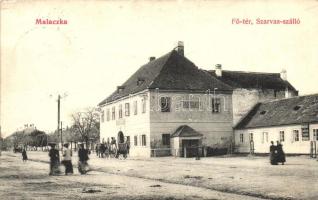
<point>292,121</point>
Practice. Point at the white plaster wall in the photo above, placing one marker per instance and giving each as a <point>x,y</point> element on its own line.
<point>215,127</point>
<point>130,125</point>
<point>289,145</point>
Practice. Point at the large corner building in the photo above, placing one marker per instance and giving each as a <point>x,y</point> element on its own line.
<point>169,104</point>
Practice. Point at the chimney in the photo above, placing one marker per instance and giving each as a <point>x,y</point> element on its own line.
<point>283,74</point>
<point>152,58</point>
<point>180,48</point>
<point>218,70</point>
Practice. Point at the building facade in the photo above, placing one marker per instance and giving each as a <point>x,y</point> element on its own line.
<point>292,121</point>
<point>169,104</point>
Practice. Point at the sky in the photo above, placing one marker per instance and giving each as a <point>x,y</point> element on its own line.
<point>104,42</point>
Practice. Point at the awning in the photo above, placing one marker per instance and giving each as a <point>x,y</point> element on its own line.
<point>185,131</point>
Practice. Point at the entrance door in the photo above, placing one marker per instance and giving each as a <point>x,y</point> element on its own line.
<point>191,147</point>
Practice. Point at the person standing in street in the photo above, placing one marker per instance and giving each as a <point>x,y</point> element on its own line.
<point>273,154</point>
<point>54,160</point>
<point>24,155</point>
<point>83,158</point>
<point>67,160</point>
<point>280,153</point>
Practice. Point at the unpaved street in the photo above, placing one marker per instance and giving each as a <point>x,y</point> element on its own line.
<point>30,180</point>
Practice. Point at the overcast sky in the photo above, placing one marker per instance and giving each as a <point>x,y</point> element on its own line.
<point>105,42</point>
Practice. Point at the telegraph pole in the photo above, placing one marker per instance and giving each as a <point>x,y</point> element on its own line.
<point>58,116</point>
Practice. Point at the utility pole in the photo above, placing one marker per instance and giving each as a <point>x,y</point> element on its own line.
<point>61,136</point>
<point>58,116</point>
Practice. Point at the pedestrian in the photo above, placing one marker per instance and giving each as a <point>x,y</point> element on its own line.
<point>67,160</point>
<point>273,154</point>
<point>54,160</point>
<point>280,153</point>
<point>83,158</point>
<point>24,155</point>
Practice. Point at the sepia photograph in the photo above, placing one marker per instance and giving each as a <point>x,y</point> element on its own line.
<point>159,100</point>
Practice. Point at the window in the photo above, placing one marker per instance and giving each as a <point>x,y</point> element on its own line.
<point>143,105</point>
<point>103,116</point>
<point>127,109</point>
<point>251,136</point>
<point>113,113</point>
<point>166,139</point>
<point>186,104</point>
<point>315,131</point>
<point>135,108</point>
<point>120,111</point>
<point>305,132</point>
<point>241,138</point>
<point>143,140</point>
<point>296,135</point>
<point>281,136</point>
<point>165,103</point>
<point>264,137</point>
<point>107,115</point>
<point>135,140</point>
<point>216,105</point>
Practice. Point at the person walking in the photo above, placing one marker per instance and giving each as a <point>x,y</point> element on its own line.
<point>83,158</point>
<point>67,160</point>
<point>280,153</point>
<point>54,160</point>
<point>273,154</point>
<point>24,155</point>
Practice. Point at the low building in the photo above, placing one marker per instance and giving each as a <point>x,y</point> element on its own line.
<point>292,121</point>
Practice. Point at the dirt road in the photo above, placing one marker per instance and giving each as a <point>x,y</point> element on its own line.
<point>30,180</point>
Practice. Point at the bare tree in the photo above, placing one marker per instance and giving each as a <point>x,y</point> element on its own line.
<point>86,124</point>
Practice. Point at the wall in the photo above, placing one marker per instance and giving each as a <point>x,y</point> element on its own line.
<point>289,145</point>
<point>130,125</point>
<point>215,127</point>
<point>244,99</point>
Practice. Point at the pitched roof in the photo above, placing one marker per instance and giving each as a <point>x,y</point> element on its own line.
<point>296,110</point>
<point>169,72</point>
<point>239,79</point>
<point>185,131</point>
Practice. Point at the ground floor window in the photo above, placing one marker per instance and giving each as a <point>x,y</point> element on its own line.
<point>281,136</point>
<point>143,140</point>
<point>265,137</point>
<point>135,140</point>
<point>241,138</point>
<point>296,135</point>
<point>251,137</point>
<point>315,134</point>
<point>166,139</point>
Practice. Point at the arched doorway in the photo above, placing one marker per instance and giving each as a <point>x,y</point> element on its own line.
<point>120,137</point>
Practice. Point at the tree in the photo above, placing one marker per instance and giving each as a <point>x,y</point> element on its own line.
<point>86,125</point>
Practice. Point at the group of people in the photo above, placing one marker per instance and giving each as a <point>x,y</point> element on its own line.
<point>276,153</point>
<point>67,160</point>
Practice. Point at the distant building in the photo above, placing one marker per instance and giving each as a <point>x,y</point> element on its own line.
<point>250,88</point>
<point>292,121</point>
<point>169,104</point>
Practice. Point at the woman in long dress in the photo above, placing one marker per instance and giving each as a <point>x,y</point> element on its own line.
<point>83,167</point>
<point>273,154</point>
<point>67,160</point>
<point>280,153</point>
<point>54,160</point>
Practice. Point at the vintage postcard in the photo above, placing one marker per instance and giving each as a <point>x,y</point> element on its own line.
<point>159,99</point>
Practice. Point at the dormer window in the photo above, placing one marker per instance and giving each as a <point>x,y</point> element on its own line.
<point>263,112</point>
<point>297,108</point>
<point>120,88</point>
<point>140,81</point>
